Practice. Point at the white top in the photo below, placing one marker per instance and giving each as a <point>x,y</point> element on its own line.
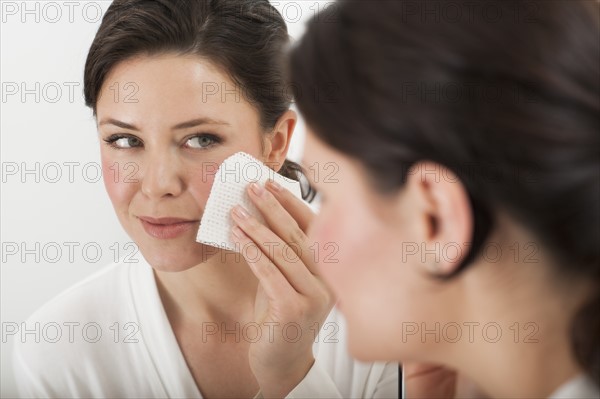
<point>108,336</point>
<point>580,387</point>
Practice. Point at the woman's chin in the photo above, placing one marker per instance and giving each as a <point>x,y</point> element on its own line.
<point>177,260</point>
<point>364,348</point>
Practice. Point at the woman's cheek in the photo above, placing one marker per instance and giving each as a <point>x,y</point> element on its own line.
<point>328,234</point>
<point>200,184</point>
<point>323,229</point>
<point>120,180</point>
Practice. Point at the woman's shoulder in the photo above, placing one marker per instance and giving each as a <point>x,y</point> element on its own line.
<point>95,296</point>
<point>73,337</point>
<point>88,308</point>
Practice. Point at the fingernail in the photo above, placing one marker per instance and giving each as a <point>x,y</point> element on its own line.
<point>274,185</point>
<point>238,233</point>
<point>240,212</point>
<point>258,190</point>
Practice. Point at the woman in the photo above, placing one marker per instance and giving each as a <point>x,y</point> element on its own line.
<point>177,87</point>
<point>466,210</point>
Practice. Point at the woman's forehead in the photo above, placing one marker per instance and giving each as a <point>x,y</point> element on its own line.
<point>174,89</point>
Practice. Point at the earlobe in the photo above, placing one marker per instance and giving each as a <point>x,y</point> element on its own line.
<point>447,217</point>
<point>278,141</point>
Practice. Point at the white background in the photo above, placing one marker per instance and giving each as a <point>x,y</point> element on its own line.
<point>57,223</point>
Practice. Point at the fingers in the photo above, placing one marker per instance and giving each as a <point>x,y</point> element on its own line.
<point>298,210</point>
<point>283,223</point>
<point>277,218</point>
<point>276,254</point>
<point>271,279</point>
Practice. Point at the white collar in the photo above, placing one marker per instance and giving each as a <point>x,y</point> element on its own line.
<point>580,387</point>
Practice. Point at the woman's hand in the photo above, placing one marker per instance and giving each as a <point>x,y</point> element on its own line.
<point>292,301</point>
<point>428,381</point>
<point>431,381</point>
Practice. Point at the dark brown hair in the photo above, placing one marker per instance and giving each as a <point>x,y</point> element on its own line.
<point>507,99</point>
<point>244,37</point>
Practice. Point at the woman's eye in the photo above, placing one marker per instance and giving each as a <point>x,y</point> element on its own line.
<point>202,141</point>
<point>123,141</point>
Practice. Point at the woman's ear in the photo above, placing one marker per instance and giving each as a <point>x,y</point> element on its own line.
<point>278,141</point>
<point>444,215</point>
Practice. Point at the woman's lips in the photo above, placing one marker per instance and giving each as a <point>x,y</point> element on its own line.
<point>166,228</point>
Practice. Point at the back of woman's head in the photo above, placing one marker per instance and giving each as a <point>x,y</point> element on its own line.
<point>506,94</point>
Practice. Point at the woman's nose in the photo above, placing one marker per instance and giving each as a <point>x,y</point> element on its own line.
<point>162,176</point>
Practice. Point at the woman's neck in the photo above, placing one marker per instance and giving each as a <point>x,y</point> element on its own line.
<point>523,369</point>
<point>521,301</point>
<point>221,289</point>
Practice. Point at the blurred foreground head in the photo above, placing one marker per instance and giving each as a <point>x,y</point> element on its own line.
<point>501,96</point>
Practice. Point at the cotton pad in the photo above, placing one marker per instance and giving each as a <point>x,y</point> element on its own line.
<point>229,190</point>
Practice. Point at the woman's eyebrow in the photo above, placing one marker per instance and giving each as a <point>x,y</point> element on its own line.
<point>111,121</point>
<point>182,125</point>
<point>198,122</point>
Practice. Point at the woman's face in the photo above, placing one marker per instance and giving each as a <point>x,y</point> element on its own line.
<point>166,123</point>
<point>374,273</point>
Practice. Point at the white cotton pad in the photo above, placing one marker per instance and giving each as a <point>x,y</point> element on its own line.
<point>229,190</point>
